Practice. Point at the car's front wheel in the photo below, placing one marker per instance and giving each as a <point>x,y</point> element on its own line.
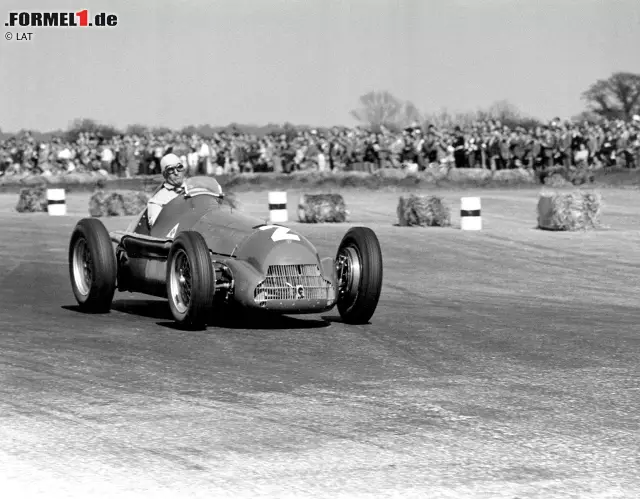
<point>359,272</point>
<point>190,280</point>
<point>92,266</point>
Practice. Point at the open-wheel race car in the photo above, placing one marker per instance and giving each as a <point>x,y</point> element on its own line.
<point>201,254</point>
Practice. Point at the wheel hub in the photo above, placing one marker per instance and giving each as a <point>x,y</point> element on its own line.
<point>349,270</point>
<point>82,267</point>
<point>181,281</point>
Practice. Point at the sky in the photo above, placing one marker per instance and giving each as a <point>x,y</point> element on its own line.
<point>191,62</point>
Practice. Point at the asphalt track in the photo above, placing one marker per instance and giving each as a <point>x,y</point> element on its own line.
<point>500,364</point>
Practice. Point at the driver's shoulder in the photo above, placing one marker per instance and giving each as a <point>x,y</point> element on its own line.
<point>163,195</point>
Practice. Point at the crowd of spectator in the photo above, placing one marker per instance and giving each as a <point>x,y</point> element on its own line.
<point>487,144</point>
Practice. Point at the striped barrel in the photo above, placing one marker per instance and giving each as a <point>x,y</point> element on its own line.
<point>56,202</point>
<point>278,207</point>
<point>470,218</point>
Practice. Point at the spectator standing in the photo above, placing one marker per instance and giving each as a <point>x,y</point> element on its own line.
<point>635,139</point>
<point>65,156</point>
<point>129,158</point>
<point>107,158</point>
<point>430,146</point>
<point>371,154</point>
<point>158,153</point>
<point>193,161</point>
<point>204,158</point>
<point>459,147</point>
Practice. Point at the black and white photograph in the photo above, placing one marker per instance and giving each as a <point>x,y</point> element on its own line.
<point>329,249</point>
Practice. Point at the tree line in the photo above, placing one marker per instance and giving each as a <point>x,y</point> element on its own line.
<point>616,97</point>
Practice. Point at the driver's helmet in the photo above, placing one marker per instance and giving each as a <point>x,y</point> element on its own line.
<point>169,160</point>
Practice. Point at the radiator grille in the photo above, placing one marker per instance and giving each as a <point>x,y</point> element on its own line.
<point>292,282</point>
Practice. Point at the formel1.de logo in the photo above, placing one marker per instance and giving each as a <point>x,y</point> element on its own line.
<point>82,18</point>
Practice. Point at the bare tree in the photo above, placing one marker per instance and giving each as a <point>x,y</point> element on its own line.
<point>616,97</point>
<point>86,125</point>
<point>503,110</point>
<point>378,108</point>
<point>447,119</point>
<point>136,129</point>
<point>410,115</point>
<point>587,115</point>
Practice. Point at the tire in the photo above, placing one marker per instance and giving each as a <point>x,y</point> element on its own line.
<point>359,274</point>
<point>92,266</point>
<point>189,252</point>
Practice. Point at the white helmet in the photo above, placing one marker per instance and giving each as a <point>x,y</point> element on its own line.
<point>169,160</point>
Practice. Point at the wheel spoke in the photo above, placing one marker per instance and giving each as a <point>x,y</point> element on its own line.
<point>349,272</point>
<point>180,284</point>
<point>82,266</point>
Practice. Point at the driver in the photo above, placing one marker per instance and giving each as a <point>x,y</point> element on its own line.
<point>173,172</point>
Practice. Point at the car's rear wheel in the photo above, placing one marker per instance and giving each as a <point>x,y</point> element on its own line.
<point>190,280</point>
<point>92,266</point>
<point>359,274</point>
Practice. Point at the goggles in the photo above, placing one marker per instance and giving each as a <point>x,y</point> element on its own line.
<point>174,169</point>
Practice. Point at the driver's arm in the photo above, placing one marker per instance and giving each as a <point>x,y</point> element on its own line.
<point>157,202</point>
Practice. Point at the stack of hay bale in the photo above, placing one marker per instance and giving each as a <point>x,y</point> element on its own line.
<point>424,211</point>
<point>117,202</point>
<point>516,176</point>
<point>556,180</point>
<point>559,176</point>
<point>569,211</point>
<point>32,199</point>
<point>318,208</point>
<point>477,176</point>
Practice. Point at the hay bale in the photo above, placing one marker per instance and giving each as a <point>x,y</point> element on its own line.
<point>12,177</point>
<point>575,175</point>
<point>569,211</point>
<point>96,203</point>
<point>315,208</point>
<point>392,173</point>
<point>32,199</point>
<point>114,204</point>
<point>351,179</point>
<point>117,203</point>
<point>515,176</point>
<point>34,180</point>
<point>424,211</point>
<point>77,178</point>
<point>469,175</point>
<point>435,173</point>
<point>580,176</point>
<point>556,180</point>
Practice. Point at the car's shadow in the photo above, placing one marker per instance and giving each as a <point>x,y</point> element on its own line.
<point>337,319</point>
<point>222,317</point>
<point>78,310</point>
<point>151,308</point>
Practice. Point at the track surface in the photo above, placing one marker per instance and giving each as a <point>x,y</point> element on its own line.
<point>499,364</point>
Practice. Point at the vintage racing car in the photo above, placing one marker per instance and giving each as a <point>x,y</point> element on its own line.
<point>201,254</point>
